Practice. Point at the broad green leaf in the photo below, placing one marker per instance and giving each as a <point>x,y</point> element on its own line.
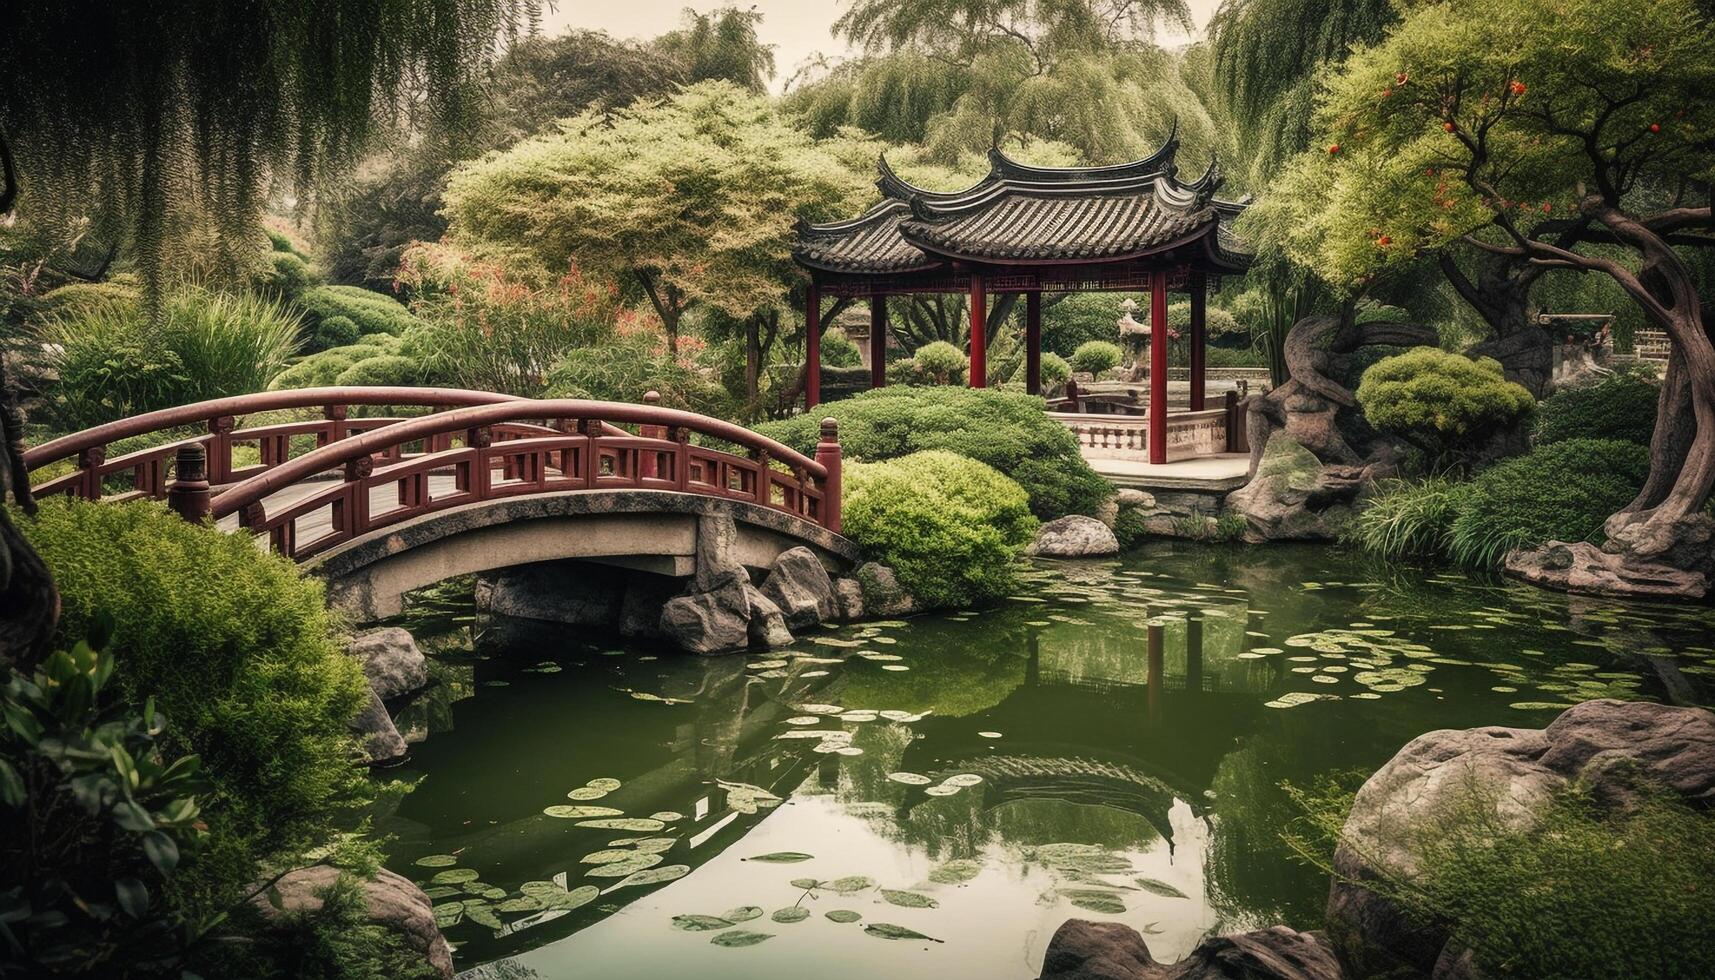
<point>482,915</point>
<point>161,850</point>
<point>781,857</point>
<point>908,900</point>
<point>133,896</point>
<point>700,923</point>
<point>11,785</point>
<point>790,914</point>
<point>887,930</point>
<point>454,876</point>
<point>448,915</point>
<point>436,861</point>
<point>565,812</point>
<point>1161,888</point>
<point>654,876</point>
<point>744,913</point>
<point>740,937</point>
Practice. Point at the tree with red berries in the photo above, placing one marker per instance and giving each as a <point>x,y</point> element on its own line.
<point>1529,132</point>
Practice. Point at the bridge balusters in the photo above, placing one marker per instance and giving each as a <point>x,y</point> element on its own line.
<point>762,488</point>
<point>828,454</point>
<point>90,462</point>
<point>681,456</point>
<point>336,428</point>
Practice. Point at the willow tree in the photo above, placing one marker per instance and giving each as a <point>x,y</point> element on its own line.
<point>692,201</point>
<point>721,45</point>
<point>135,117</point>
<point>1521,130</point>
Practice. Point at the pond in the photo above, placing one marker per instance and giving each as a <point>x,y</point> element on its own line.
<point>932,797</point>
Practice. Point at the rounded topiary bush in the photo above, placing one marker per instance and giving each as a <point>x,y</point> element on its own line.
<point>1077,318</point>
<point>1441,400</point>
<point>1007,430</point>
<point>1560,492</point>
<point>949,526</point>
<point>381,370</point>
<point>237,647</point>
<point>1096,356</point>
<point>1055,371</point>
<point>373,312</point>
<point>337,331</point>
<point>940,363</point>
<point>1621,406</point>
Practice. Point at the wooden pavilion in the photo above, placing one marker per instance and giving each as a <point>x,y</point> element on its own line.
<point>1023,229</point>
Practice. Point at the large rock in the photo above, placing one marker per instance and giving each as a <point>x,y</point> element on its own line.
<point>1513,772</point>
<point>391,661</point>
<point>1084,950</point>
<point>568,592</point>
<point>1582,567</point>
<point>717,563</point>
<point>1294,497</point>
<point>767,624</point>
<point>380,738</point>
<point>392,901</point>
<point>716,621</point>
<point>1074,536</point>
<point>800,587</point>
<point>882,593</point>
<point>848,596</point>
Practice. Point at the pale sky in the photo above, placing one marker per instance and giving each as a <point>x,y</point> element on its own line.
<point>796,28</point>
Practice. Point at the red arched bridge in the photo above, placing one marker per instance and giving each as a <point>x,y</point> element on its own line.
<point>383,490</point>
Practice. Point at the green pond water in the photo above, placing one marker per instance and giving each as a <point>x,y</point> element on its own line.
<point>933,797</point>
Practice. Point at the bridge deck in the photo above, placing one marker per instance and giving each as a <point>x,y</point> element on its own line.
<point>314,525</point>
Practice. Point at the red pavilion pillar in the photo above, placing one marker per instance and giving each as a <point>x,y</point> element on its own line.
<point>877,341</point>
<point>812,346</point>
<point>1033,342</point>
<point>979,332</point>
<point>1199,331</point>
<point>1158,366</point>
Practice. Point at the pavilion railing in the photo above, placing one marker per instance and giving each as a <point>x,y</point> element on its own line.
<point>519,448</point>
<point>147,472</point>
<point>1189,434</point>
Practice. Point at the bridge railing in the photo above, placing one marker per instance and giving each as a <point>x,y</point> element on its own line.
<point>525,447</point>
<point>146,472</point>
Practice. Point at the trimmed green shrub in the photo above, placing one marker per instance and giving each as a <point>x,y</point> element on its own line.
<point>329,367</point>
<point>83,295</point>
<point>114,360</point>
<point>1096,356</point>
<point>1082,317</point>
<point>1006,430</point>
<point>949,526</point>
<point>1560,492</point>
<point>1621,406</point>
<point>1055,371</point>
<point>373,312</point>
<point>288,275</point>
<point>237,646</point>
<point>838,350</point>
<point>1409,519</point>
<point>338,331</point>
<point>1216,321</point>
<point>940,363</point>
<point>381,370</point>
<point>1445,403</point>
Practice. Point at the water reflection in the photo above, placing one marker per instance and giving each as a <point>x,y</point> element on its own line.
<point>1111,744</point>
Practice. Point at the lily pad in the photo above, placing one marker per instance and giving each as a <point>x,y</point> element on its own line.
<point>700,923</point>
<point>849,884</point>
<point>626,823</point>
<point>887,930</point>
<point>908,900</point>
<point>654,876</point>
<point>744,913</point>
<point>1094,900</point>
<point>436,861</point>
<point>454,876</point>
<point>586,793</point>
<point>909,778</point>
<point>955,872</point>
<point>1161,888</point>
<point>962,779</point>
<point>565,812</point>
<point>666,816</point>
<point>741,937</point>
<point>842,916</point>
<point>790,914</point>
<point>781,857</point>
<point>621,868</point>
<point>522,903</point>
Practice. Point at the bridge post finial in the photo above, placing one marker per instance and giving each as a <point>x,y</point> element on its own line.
<point>828,454</point>
<point>188,495</point>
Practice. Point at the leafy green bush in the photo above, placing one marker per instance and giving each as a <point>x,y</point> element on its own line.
<point>949,526</point>
<point>1096,356</point>
<point>1216,321</point>
<point>288,275</point>
<point>238,647</point>
<point>1560,492</point>
<point>1055,371</point>
<point>1082,317</point>
<point>1409,519</point>
<point>327,367</point>
<point>623,369</point>
<point>78,295</point>
<point>1006,430</point>
<point>381,370</point>
<point>373,312</point>
<point>114,360</point>
<point>1589,890</point>
<point>940,363</point>
<point>838,350</point>
<point>1441,401</point>
<point>95,815</point>
<point>1621,406</point>
<point>338,331</point>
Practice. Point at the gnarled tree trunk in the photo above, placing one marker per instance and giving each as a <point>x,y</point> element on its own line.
<point>1501,296</point>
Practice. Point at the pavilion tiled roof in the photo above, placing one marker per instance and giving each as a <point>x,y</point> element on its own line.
<point>1020,214</point>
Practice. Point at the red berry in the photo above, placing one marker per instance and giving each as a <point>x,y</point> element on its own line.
<point>1655,127</point>
<point>1384,241</point>
<point>1518,88</point>
<point>1448,125</point>
<point>1386,92</point>
<point>1547,207</point>
<point>1334,148</point>
<point>1400,78</point>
